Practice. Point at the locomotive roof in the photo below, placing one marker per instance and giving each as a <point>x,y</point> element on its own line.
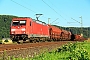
<point>29,17</point>
<point>21,17</point>
<point>38,21</point>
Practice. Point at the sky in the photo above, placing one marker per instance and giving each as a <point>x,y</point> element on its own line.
<point>64,13</point>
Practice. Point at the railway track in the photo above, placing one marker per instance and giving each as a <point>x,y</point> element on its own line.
<point>8,47</point>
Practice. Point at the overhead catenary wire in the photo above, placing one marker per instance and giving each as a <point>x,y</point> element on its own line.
<point>76,20</point>
<point>23,6</point>
<point>54,20</point>
<point>67,15</point>
<point>26,7</point>
<point>54,10</point>
<point>34,7</point>
<point>55,6</point>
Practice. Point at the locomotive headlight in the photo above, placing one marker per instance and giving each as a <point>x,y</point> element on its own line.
<point>24,32</point>
<point>13,29</point>
<point>23,29</point>
<point>12,33</point>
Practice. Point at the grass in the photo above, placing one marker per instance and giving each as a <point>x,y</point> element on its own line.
<point>52,56</point>
<point>86,46</point>
<point>77,51</point>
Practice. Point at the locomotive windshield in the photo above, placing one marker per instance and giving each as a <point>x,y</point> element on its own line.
<point>19,22</point>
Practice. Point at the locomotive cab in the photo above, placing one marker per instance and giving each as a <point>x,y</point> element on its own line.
<point>18,27</point>
<point>18,30</point>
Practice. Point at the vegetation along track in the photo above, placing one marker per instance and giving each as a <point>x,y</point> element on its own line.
<point>26,48</point>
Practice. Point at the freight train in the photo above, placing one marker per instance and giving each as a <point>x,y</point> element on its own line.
<point>25,28</point>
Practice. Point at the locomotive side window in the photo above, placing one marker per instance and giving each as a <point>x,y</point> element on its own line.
<point>30,23</point>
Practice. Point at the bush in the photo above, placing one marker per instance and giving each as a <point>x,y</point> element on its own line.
<point>6,40</point>
<point>76,51</point>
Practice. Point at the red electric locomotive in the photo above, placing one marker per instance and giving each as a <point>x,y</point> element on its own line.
<point>28,28</point>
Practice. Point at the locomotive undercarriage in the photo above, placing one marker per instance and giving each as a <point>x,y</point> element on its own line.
<point>19,37</point>
<point>24,38</point>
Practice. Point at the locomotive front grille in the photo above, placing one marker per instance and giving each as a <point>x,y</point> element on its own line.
<point>18,32</point>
